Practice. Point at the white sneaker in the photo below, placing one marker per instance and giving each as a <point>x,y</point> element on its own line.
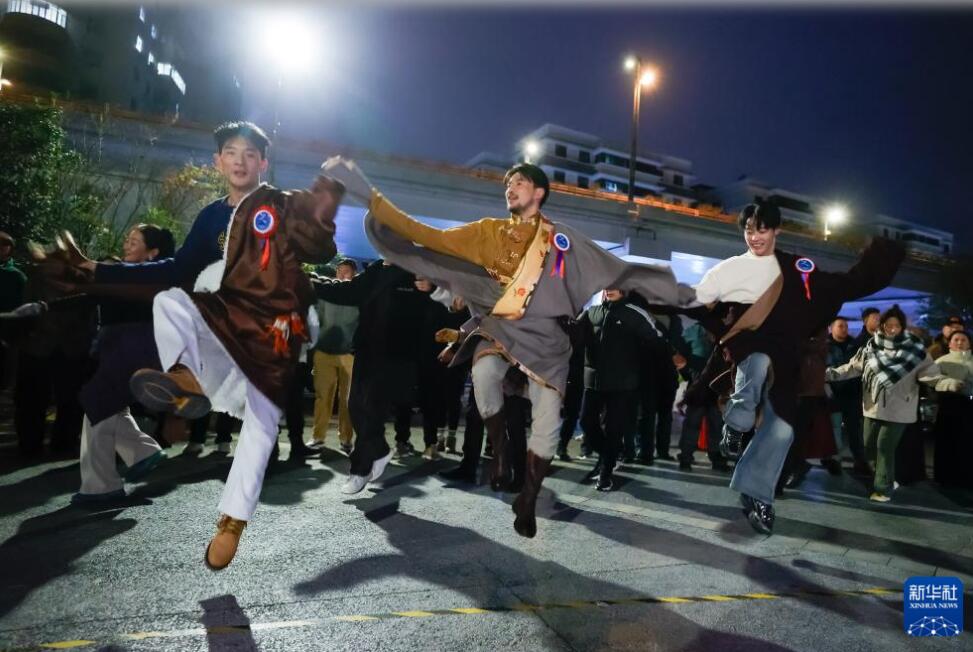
<point>895,485</point>
<point>223,447</point>
<point>354,484</point>
<point>431,453</point>
<point>378,467</point>
<point>879,498</point>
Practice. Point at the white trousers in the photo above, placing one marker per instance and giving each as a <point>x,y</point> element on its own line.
<point>100,442</point>
<point>545,403</point>
<point>182,336</point>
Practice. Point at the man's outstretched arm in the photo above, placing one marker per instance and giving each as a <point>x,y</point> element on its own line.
<point>461,242</point>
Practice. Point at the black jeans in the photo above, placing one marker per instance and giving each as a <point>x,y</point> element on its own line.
<point>619,411</point>
<point>691,424</point>
<point>377,386</point>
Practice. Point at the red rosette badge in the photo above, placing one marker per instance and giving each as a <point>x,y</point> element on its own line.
<point>264,225</point>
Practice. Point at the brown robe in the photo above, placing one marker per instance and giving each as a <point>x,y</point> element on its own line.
<point>243,311</point>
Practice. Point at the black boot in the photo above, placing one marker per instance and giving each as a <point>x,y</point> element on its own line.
<point>731,446</point>
<point>525,524</point>
<point>496,429</point>
<point>758,513</point>
<point>462,473</point>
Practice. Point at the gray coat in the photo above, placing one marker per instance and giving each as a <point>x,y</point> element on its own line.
<point>536,342</point>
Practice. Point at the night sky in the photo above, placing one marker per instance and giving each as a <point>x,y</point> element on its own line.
<point>871,108</point>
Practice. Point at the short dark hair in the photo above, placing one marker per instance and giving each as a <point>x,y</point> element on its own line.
<point>244,129</point>
<point>955,319</point>
<point>837,317</point>
<point>347,261</point>
<point>870,310</point>
<point>6,239</point>
<point>158,238</point>
<point>958,332</point>
<point>894,312</point>
<point>534,174</point>
<point>763,212</point>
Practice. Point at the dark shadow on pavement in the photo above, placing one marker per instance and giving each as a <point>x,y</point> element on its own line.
<point>416,539</point>
<point>46,547</point>
<point>227,627</point>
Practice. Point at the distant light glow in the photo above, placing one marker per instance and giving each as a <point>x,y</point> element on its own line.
<point>649,78</point>
<point>292,42</point>
<point>836,214</point>
<point>532,148</point>
<point>630,63</point>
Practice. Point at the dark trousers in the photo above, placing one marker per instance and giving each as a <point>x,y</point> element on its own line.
<point>691,425</point>
<point>432,395</point>
<point>618,411</point>
<point>571,408</point>
<point>294,410</point>
<point>223,427</point>
<point>654,421</point>
<point>39,380</point>
<point>376,387</point>
<point>516,411</point>
<point>454,386</point>
<point>850,406</point>
<point>472,435</point>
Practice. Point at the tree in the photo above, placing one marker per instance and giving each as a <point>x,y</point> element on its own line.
<point>35,158</point>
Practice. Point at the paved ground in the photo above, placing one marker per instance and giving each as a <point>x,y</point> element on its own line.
<point>665,563</point>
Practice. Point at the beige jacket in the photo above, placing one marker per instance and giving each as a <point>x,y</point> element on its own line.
<point>900,404</point>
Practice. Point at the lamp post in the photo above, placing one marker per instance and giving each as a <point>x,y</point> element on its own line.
<point>835,214</point>
<point>642,77</point>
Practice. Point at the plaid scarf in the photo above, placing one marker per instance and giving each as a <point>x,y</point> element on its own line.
<point>890,359</point>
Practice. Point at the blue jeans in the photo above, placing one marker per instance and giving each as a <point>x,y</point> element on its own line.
<point>748,389</point>
<point>759,467</point>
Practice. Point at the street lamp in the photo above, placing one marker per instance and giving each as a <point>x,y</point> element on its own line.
<point>291,45</point>
<point>531,149</point>
<point>834,215</point>
<point>643,77</point>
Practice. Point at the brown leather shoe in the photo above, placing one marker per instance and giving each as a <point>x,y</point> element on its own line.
<point>176,391</point>
<point>223,546</point>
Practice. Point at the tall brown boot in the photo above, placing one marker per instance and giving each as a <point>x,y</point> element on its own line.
<point>525,524</point>
<point>496,428</point>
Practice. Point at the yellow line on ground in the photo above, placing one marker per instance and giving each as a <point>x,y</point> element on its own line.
<point>467,611</point>
<point>67,645</point>
<point>761,596</point>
